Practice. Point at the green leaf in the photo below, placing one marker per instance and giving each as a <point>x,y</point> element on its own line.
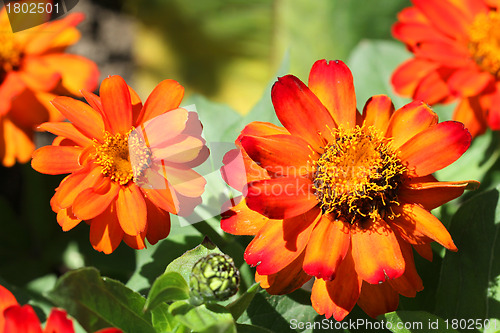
<point>184,264</point>
<point>415,321</point>
<point>244,328</point>
<point>168,287</point>
<point>206,318</point>
<point>241,304</point>
<point>469,286</point>
<point>162,319</point>
<point>98,302</point>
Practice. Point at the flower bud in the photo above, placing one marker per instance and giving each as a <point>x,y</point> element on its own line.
<point>214,278</point>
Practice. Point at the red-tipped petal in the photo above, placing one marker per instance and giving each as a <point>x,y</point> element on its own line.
<point>158,223</point>
<point>467,82</point>
<point>241,220</point>
<point>21,319</point>
<point>279,243</point>
<point>332,82</point>
<point>409,74</point>
<point>116,103</point>
<point>377,112</point>
<point>67,130</point>
<point>301,112</point>
<point>435,148</point>
<point>410,120</point>
<point>470,112</point>
<point>53,160</point>
<point>7,299</point>
<point>410,282</point>
<point>416,225</point>
<point>377,299</point>
<point>376,237</point>
<point>327,248</point>
<point>281,198</point>
<point>424,250</point>
<point>337,298</point>
<point>131,210</point>
<point>268,153</point>
<point>93,201</point>
<point>166,96</point>
<point>444,16</point>
<point>58,322</point>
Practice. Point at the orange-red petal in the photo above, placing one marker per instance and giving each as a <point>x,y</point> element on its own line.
<point>409,74</point>
<point>268,153</point>
<point>332,83</point>
<point>280,242</point>
<point>58,322</point>
<point>376,237</point>
<point>281,198</point>
<point>7,299</point>
<point>416,225</point>
<point>53,160</point>
<point>327,248</point>
<point>301,112</point>
<point>67,130</point>
<point>238,219</point>
<point>470,112</point>
<point>377,299</point>
<point>84,118</point>
<point>337,298</point>
<point>466,82</point>
<point>444,16</point>
<point>131,210</point>
<point>410,120</point>
<point>94,201</point>
<point>167,95</point>
<point>377,112</point>
<point>158,223</point>
<point>66,219</point>
<point>21,319</point>
<point>410,282</point>
<point>435,148</point>
<point>105,231</point>
<point>116,103</point>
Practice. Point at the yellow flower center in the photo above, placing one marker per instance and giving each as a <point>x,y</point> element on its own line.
<point>358,175</point>
<point>10,54</point>
<point>114,156</point>
<point>484,42</point>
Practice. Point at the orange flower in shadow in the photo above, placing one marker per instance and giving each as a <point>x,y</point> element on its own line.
<point>131,165</point>
<point>33,70</point>
<point>341,196</point>
<point>456,47</point>
<point>17,318</point>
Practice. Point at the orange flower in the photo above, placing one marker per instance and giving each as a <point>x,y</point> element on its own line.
<point>130,164</point>
<point>17,318</point>
<point>456,44</point>
<point>33,70</point>
<point>342,196</point>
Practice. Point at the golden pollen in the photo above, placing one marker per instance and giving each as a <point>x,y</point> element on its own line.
<point>358,175</point>
<point>484,42</point>
<point>10,55</point>
<point>114,156</point>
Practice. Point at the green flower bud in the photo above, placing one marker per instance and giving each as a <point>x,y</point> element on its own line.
<point>214,278</point>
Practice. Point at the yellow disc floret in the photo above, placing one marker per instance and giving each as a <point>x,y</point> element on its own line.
<point>484,42</point>
<point>114,156</point>
<point>357,175</point>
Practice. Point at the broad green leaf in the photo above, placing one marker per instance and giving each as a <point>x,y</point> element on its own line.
<point>184,264</point>
<point>241,304</point>
<point>469,286</point>
<point>162,319</point>
<point>244,328</point>
<point>98,302</point>
<point>206,318</point>
<point>168,287</point>
<point>415,321</point>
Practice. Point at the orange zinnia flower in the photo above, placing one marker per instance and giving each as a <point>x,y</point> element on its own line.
<point>130,164</point>
<point>33,70</point>
<point>20,319</point>
<point>457,56</point>
<point>342,196</point>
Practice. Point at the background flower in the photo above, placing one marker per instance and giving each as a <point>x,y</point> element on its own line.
<point>34,69</point>
<point>342,196</point>
<point>456,56</point>
<point>124,182</point>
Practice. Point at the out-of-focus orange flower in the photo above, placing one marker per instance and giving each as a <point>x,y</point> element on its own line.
<point>15,318</point>
<point>456,44</point>
<point>131,165</point>
<point>33,70</point>
<point>341,196</point>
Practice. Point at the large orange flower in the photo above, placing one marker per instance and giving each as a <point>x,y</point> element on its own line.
<point>340,196</point>
<point>21,319</point>
<point>131,165</point>
<point>456,44</point>
<point>33,70</point>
